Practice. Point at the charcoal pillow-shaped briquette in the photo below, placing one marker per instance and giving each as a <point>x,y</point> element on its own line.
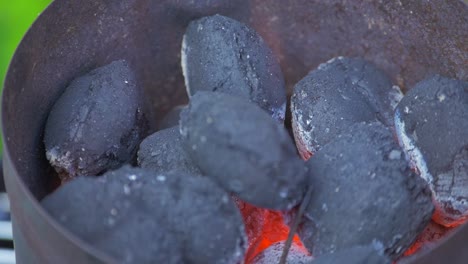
<point>223,55</point>
<point>110,216</point>
<point>272,254</point>
<point>370,254</point>
<point>336,95</point>
<point>364,191</point>
<point>164,151</point>
<point>432,127</point>
<point>137,216</point>
<point>241,147</point>
<point>96,124</point>
<point>171,119</point>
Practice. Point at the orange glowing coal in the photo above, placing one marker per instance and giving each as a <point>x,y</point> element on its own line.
<point>428,238</point>
<point>264,228</point>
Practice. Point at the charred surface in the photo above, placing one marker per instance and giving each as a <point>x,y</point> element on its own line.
<point>243,149</point>
<point>143,217</point>
<point>336,95</point>
<point>221,54</point>
<point>164,151</point>
<point>432,124</point>
<point>364,191</point>
<point>97,123</point>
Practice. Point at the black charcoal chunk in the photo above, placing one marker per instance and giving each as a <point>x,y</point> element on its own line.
<point>138,216</point>
<point>370,254</point>
<point>110,215</point>
<point>221,54</point>
<point>336,95</point>
<point>243,149</point>
<point>96,124</point>
<point>273,254</point>
<point>172,118</point>
<point>163,151</point>
<point>364,192</point>
<point>432,127</point>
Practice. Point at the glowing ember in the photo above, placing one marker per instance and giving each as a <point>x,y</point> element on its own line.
<point>428,238</point>
<point>264,228</point>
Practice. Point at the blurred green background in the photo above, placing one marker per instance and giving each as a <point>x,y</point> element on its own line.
<point>16,16</point>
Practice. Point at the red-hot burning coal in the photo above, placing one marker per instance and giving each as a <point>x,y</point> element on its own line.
<point>264,228</point>
<point>429,238</point>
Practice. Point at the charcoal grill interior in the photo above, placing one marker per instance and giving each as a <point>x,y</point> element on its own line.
<point>409,40</point>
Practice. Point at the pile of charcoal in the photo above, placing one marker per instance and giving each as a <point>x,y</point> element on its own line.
<point>369,170</point>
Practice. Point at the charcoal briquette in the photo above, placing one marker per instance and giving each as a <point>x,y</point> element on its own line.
<point>364,191</point>
<point>110,216</point>
<point>241,147</point>
<point>272,254</point>
<point>370,254</point>
<point>171,119</point>
<point>164,151</point>
<point>138,216</point>
<point>432,127</point>
<point>97,123</point>
<point>336,95</point>
<point>223,55</point>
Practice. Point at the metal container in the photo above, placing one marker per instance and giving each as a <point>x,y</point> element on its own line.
<point>409,40</point>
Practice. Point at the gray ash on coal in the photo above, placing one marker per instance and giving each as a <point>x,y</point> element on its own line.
<point>142,217</point>
<point>370,254</point>
<point>364,191</point>
<point>96,124</point>
<point>273,253</point>
<point>432,127</point>
<point>171,119</point>
<point>336,95</point>
<point>223,55</point>
<point>164,151</point>
<point>242,148</point>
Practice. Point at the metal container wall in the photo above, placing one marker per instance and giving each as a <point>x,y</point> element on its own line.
<point>409,41</point>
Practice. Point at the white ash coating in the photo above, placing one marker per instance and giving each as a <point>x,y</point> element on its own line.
<point>336,95</point>
<point>431,123</point>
